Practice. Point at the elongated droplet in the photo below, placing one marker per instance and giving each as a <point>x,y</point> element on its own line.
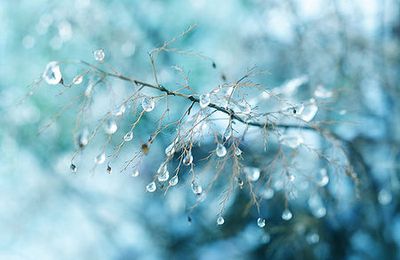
<point>204,100</point>
<point>310,110</point>
<point>120,110</point>
<point>52,73</point>
<point>99,55</point>
<point>111,127</point>
<point>83,138</point>
<point>151,187</point>
<point>220,220</point>
<point>109,169</point>
<point>261,222</point>
<point>73,168</point>
<point>252,173</point>
<point>173,181</point>
<point>163,176</point>
<point>170,150</point>
<point>77,80</point>
<point>221,150</point>
<point>188,159</point>
<point>196,188</point>
<point>135,173</point>
<point>100,159</point>
<point>148,104</point>
<point>228,133</point>
<point>128,136</point>
<point>322,178</point>
<point>287,215</point>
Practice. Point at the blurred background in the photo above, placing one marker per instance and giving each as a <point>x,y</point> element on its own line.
<point>350,47</point>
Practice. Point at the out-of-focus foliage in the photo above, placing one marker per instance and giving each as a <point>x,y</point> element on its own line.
<point>352,48</point>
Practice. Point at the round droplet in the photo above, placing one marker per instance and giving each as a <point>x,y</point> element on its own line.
<point>73,168</point>
<point>238,152</point>
<point>163,176</point>
<point>173,181</point>
<point>205,100</point>
<point>77,80</point>
<point>220,220</point>
<point>52,73</point>
<point>252,173</point>
<point>151,187</point>
<point>128,136</point>
<point>111,127</point>
<point>221,150</point>
<point>312,238</point>
<point>100,159</point>
<point>99,55</point>
<point>170,150</point>
<point>268,193</point>
<point>261,222</point>
<point>384,197</point>
<point>135,173</point>
<point>188,159</point>
<point>196,188</point>
<point>148,104</point>
<point>287,215</point>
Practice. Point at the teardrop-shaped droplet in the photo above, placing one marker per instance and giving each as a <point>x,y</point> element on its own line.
<point>89,90</point>
<point>151,187</point>
<point>148,104</point>
<point>101,158</point>
<point>164,175</point>
<point>99,55</point>
<point>221,150</point>
<point>287,215</point>
<point>109,169</point>
<point>252,173</point>
<point>228,133</point>
<point>310,110</point>
<point>268,193</point>
<point>77,80</point>
<point>120,110</point>
<point>111,127</point>
<point>238,152</point>
<point>135,173</point>
<point>188,159</point>
<point>83,138</point>
<point>220,220</point>
<point>128,136</point>
<point>52,73</point>
<point>196,188</point>
<point>322,178</point>
<point>261,222</point>
<point>173,181</point>
<point>170,150</point>
<point>73,168</point>
<point>205,100</point>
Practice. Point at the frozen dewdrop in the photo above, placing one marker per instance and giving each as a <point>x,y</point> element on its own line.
<point>174,180</point>
<point>205,100</point>
<point>252,173</point>
<point>151,187</point>
<point>111,127</point>
<point>188,159</point>
<point>73,168</point>
<point>135,173</point>
<point>287,215</point>
<point>170,150</point>
<point>196,188</point>
<point>101,158</point>
<point>52,73</point>
<point>128,136</point>
<point>148,104</point>
<point>99,55</point>
<point>220,221</point>
<point>77,80</point>
<point>221,150</point>
<point>261,222</point>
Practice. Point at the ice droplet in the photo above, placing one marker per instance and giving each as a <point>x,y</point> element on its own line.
<point>101,158</point>
<point>205,100</point>
<point>148,104</point>
<point>287,215</point>
<point>99,55</point>
<point>312,238</point>
<point>221,150</point>
<point>261,222</point>
<point>173,181</point>
<point>252,173</point>
<point>52,73</point>
<point>220,221</point>
<point>128,136</point>
<point>151,187</point>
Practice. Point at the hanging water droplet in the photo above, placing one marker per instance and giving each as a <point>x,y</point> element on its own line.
<point>312,238</point>
<point>73,168</point>
<point>77,80</point>
<point>291,177</point>
<point>148,104</point>
<point>220,220</point>
<point>221,150</point>
<point>188,160</point>
<point>261,222</point>
<point>322,178</point>
<point>205,100</point>
<point>101,158</point>
<point>173,181</point>
<point>252,173</point>
<point>135,173</point>
<point>240,183</point>
<point>170,150</point>
<point>287,215</point>
<point>310,110</point>
<point>99,55</point>
<point>292,141</point>
<point>238,152</point>
<point>384,197</point>
<point>316,206</point>
<point>52,73</point>
<point>268,193</point>
<point>151,187</point>
<point>111,127</point>
<point>163,173</point>
<point>228,133</point>
<point>120,110</point>
<point>128,136</point>
<point>83,138</point>
<point>109,170</point>
<point>196,188</point>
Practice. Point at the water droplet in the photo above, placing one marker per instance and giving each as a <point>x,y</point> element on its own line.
<point>120,110</point>
<point>173,181</point>
<point>252,173</point>
<point>99,55</point>
<point>266,238</point>
<point>287,215</point>
<point>245,108</point>
<point>170,150</point>
<point>312,238</point>
<point>109,170</point>
<point>238,152</point>
<point>111,127</point>
<point>77,80</point>
<point>163,173</point>
<point>83,138</point>
<point>240,182</point>
<point>196,188</point>
<point>291,177</point>
<point>384,197</point>
<point>322,92</point>
<point>261,222</point>
<point>322,178</point>
<point>228,133</point>
<point>101,158</point>
<point>220,220</point>
<point>52,73</point>
<point>148,104</point>
<point>310,110</point>
<point>188,160</point>
<point>135,173</point>
<point>316,206</point>
<point>151,187</point>
<point>268,193</point>
<point>205,100</point>
<point>292,141</point>
<point>89,90</point>
<point>128,136</point>
<point>73,168</point>
<point>221,150</point>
